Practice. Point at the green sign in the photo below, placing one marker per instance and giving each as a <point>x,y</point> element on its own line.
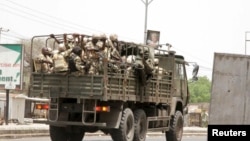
<point>11,65</point>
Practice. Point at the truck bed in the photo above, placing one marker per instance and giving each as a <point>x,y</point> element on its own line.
<point>101,87</point>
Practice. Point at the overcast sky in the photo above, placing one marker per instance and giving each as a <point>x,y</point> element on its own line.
<point>195,28</point>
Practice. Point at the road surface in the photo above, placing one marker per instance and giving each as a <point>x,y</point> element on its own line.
<point>107,138</point>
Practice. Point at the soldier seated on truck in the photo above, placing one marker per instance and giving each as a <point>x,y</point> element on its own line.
<point>76,64</point>
<point>92,52</point>
<point>128,62</point>
<point>114,56</point>
<point>60,59</point>
<point>103,50</point>
<point>143,65</point>
<point>158,71</point>
<point>45,60</point>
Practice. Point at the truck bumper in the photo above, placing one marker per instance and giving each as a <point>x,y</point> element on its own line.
<point>66,123</point>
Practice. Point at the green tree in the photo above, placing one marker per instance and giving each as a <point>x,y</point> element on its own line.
<point>200,90</point>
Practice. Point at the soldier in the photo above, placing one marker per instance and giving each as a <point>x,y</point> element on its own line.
<point>144,65</point>
<point>102,51</point>
<point>114,48</point>
<point>60,59</point>
<point>76,64</point>
<point>45,58</point>
<point>92,53</point>
<point>148,63</point>
<point>159,71</point>
<point>114,53</point>
<point>129,61</point>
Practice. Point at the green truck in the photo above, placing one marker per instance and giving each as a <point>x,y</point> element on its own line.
<point>124,106</point>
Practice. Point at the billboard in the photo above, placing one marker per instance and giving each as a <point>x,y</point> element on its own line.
<point>11,66</point>
<point>153,38</point>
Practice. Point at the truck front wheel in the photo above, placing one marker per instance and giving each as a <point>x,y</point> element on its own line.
<point>176,128</point>
<point>126,129</point>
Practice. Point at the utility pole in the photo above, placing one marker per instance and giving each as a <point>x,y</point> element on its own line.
<point>3,30</point>
<point>246,40</point>
<point>146,3</point>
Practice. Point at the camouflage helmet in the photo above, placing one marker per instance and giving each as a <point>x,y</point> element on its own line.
<point>61,48</point>
<point>86,39</point>
<point>70,37</point>
<point>156,61</point>
<point>99,36</point>
<point>95,36</point>
<point>103,36</point>
<point>99,45</point>
<point>49,49</point>
<point>113,37</point>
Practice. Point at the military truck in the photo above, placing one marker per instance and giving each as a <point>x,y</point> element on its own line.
<point>123,105</point>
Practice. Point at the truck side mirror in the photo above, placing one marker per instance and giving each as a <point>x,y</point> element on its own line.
<point>195,72</point>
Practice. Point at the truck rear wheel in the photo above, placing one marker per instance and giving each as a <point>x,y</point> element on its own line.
<point>140,125</point>
<point>176,128</point>
<point>126,129</point>
<point>57,133</point>
<point>75,133</point>
<point>76,136</point>
<point>60,134</point>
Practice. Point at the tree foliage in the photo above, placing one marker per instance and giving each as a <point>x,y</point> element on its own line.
<point>200,90</point>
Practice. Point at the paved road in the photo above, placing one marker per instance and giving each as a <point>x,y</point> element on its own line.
<point>107,138</point>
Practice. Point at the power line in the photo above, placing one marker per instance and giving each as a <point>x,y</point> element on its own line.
<point>7,38</point>
<point>191,55</point>
<point>34,18</point>
<point>12,36</point>
<point>55,19</point>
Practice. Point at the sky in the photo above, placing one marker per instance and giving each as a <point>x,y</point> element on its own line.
<point>195,28</point>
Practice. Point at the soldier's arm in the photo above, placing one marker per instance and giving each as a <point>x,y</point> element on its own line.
<point>78,63</point>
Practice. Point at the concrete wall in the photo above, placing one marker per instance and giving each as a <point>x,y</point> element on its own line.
<point>16,106</point>
<point>230,92</point>
<point>2,108</point>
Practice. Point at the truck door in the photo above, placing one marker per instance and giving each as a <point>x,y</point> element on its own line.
<point>180,80</point>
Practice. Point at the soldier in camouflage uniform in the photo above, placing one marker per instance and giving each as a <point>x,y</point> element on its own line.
<point>144,64</point>
<point>102,51</point>
<point>114,56</point>
<point>92,53</point>
<point>45,58</point>
<point>76,64</point>
<point>159,71</point>
<point>60,59</point>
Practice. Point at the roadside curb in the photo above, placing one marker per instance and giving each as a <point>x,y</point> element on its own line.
<point>18,131</point>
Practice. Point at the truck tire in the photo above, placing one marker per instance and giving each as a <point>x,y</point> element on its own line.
<point>60,134</point>
<point>176,127</point>
<point>126,129</point>
<point>76,136</point>
<point>140,125</point>
<point>57,133</point>
<point>75,133</point>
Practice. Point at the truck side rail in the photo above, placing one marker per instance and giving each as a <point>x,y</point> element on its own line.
<point>107,85</point>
